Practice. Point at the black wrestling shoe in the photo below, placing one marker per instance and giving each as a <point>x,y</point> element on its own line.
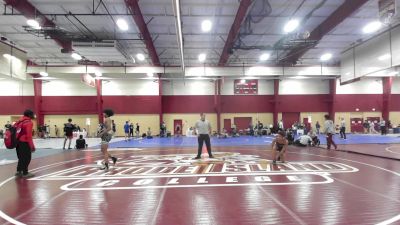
<point>114,159</point>
<point>198,157</point>
<point>18,174</point>
<point>274,162</point>
<point>211,157</point>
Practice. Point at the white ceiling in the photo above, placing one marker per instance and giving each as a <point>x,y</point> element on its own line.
<point>161,24</point>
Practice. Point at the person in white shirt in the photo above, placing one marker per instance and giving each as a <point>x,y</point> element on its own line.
<point>203,128</point>
<point>383,126</point>
<point>329,130</point>
<point>303,141</point>
<point>342,129</point>
<point>280,125</point>
<point>372,127</point>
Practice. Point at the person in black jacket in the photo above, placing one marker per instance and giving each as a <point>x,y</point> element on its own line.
<point>80,143</point>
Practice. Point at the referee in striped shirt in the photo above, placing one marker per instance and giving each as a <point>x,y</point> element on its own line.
<point>203,128</point>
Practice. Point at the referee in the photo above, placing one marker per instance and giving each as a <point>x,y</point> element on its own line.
<point>203,128</point>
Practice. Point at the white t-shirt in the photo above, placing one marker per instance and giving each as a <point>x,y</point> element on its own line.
<point>342,123</point>
<point>304,139</point>
<point>203,127</point>
<point>329,127</point>
<point>383,123</point>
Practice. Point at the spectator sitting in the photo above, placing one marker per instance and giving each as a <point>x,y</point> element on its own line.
<point>148,134</point>
<point>224,134</point>
<point>81,143</point>
<point>303,141</point>
<point>314,137</point>
<point>251,130</point>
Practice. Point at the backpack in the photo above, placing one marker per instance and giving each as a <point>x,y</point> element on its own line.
<point>12,135</point>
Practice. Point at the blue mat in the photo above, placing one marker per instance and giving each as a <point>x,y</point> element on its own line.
<point>246,140</point>
<point>363,139</point>
<point>191,142</point>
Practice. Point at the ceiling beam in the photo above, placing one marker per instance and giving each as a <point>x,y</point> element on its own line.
<point>338,16</point>
<point>136,13</point>
<point>234,31</point>
<point>29,11</point>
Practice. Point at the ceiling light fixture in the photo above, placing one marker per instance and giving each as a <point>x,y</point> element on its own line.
<point>384,57</point>
<point>264,57</point>
<point>326,57</point>
<point>299,77</point>
<point>44,74</point>
<point>76,56</point>
<point>372,27</point>
<point>98,74</point>
<point>122,24</point>
<point>206,25</point>
<point>140,56</point>
<point>202,57</point>
<point>150,74</point>
<point>8,56</point>
<point>33,23</point>
<point>291,25</point>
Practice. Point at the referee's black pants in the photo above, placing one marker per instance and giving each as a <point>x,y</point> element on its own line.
<point>204,138</point>
<point>24,154</point>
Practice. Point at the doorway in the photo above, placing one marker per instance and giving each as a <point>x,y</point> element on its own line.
<point>227,125</point>
<point>356,125</point>
<point>178,127</point>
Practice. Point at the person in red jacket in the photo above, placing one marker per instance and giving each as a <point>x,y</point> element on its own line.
<point>25,145</point>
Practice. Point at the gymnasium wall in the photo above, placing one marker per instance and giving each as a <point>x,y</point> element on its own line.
<point>67,87</point>
<point>188,87</point>
<point>145,121</point>
<point>396,85</point>
<point>394,118</point>
<point>68,97</point>
<point>265,118</point>
<point>364,86</point>
<point>188,120</point>
<point>79,120</point>
<point>3,121</point>
<point>246,103</point>
<point>15,96</point>
<point>303,87</point>
<point>315,116</point>
<point>130,87</point>
<point>16,87</point>
<point>132,96</point>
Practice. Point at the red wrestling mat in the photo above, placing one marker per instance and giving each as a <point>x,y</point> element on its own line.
<point>240,186</point>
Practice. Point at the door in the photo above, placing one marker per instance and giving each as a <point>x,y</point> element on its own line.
<point>289,118</point>
<point>178,127</point>
<point>242,123</point>
<point>227,125</point>
<point>356,125</point>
